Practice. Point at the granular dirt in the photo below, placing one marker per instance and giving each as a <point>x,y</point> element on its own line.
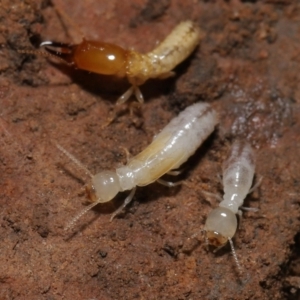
<point>247,68</point>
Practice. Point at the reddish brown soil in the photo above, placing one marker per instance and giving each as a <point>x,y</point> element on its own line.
<point>247,67</point>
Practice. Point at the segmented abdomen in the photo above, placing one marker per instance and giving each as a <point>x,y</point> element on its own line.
<point>238,172</point>
<point>176,47</point>
<point>173,145</point>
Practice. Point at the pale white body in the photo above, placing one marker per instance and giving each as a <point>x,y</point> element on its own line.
<point>238,173</point>
<point>169,149</point>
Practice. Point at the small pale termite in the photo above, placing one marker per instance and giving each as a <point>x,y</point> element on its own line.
<point>238,172</point>
<point>109,59</point>
<point>168,151</point>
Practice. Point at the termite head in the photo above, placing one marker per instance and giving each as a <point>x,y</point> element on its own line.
<point>104,187</point>
<point>92,56</point>
<point>220,226</point>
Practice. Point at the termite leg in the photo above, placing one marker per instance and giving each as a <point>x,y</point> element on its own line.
<point>132,90</point>
<point>168,183</point>
<point>212,195</point>
<point>240,214</point>
<point>239,217</point>
<point>166,75</point>
<point>256,185</point>
<point>175,173</point>
<point>254,209</point>
<point>138,94</point>
<point>133,108</point>
<point>115,112</point>
<point>126,202</point>
<point>112,116</point>
<point>122,99</point>
<point>218,248</point>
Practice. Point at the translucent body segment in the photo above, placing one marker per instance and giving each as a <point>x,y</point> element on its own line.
<point>221,223</point>
<point>171,147</point>
<point>238,173</point>
<point>177,46</point>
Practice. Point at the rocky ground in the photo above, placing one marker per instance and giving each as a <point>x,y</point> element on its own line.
<point>247,67</point>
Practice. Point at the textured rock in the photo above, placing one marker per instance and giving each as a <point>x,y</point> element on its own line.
<point>247,67</point>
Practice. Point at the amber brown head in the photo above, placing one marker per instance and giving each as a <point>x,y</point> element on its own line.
<point>92,56</point>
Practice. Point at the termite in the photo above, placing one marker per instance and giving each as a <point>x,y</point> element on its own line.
<point>168,151</point>
<point>109,59</point>
<point>238,172</point>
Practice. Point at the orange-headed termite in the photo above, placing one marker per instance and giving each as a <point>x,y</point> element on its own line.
<point>109,59</point>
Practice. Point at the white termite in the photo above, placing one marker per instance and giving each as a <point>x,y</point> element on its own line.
<point>238,172</point>
<point>168,151</point>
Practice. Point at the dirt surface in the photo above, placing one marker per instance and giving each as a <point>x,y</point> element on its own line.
<point>247,67</point>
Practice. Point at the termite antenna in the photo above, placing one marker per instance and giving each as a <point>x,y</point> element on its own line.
<point>63,16</point>
<point>74,160</point>
<point>235,256</point>
<point>78,216</point>
<point>43,53</point>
